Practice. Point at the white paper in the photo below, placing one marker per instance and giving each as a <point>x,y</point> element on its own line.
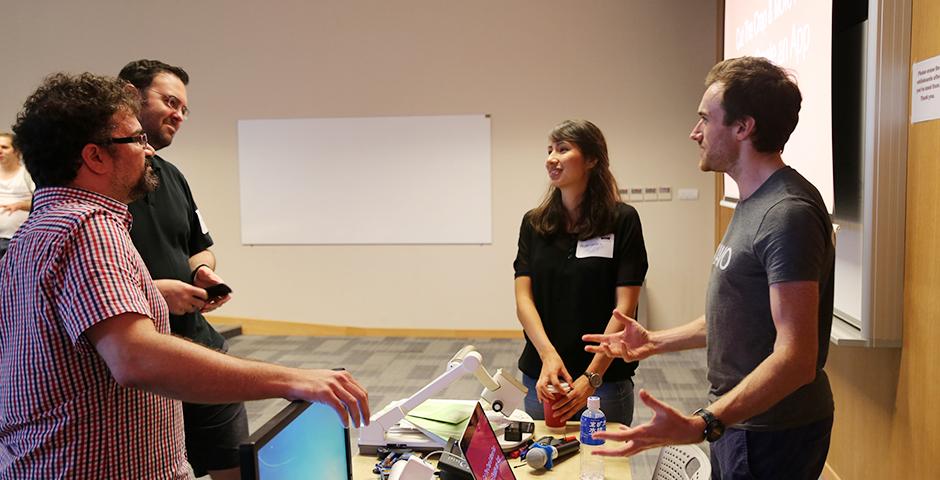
<point>602,246</point>
<point>925,90</point>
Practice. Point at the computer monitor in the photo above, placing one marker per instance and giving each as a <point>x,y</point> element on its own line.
<point>304,440</point>
<point>482,451</point>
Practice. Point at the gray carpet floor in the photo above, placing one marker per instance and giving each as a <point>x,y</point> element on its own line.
<point>395,368</point>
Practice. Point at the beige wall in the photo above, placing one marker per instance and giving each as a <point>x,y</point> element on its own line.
<point>634,67</point>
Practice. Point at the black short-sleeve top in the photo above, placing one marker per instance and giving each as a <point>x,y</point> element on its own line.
<point>167,230</point>
<point>574,286</point>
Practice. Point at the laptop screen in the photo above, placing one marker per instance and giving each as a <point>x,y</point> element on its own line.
<point>481,449</point>
<point>304,440</point>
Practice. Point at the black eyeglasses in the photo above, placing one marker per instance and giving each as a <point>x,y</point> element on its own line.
<point>174,103</point>
<point>139,139</point>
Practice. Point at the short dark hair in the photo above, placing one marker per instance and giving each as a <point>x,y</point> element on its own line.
<point>63,115</point>
<point>599,204</point>
<point>141,73</point>
<point>755,87</point>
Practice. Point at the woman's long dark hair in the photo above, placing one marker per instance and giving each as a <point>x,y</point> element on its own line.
<point>599,203</point>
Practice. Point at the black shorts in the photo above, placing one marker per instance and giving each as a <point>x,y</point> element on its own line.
<point>213,433</point>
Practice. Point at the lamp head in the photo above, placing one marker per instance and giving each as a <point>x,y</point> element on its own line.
<point>509,395</point>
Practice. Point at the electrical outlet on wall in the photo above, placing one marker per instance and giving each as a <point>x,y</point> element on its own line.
<point>636,194</point>
<point>664,194</point>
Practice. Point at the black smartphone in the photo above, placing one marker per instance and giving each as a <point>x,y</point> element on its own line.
<point>217,291</point>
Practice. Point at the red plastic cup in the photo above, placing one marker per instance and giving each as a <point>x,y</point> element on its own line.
<point>553,421</point>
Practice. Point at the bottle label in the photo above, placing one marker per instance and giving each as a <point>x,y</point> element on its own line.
<point>591,425</point>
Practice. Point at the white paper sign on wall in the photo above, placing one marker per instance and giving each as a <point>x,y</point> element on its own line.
<point>925,90</point>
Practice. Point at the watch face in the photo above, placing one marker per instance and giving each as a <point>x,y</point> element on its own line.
<point>594,379</point>
<point>714,431</point>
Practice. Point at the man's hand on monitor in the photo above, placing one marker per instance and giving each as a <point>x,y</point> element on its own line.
<point>337,389</point>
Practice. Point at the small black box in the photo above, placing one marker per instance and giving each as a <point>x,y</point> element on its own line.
<point>514,430</point>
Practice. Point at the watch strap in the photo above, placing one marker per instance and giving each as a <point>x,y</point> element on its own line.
<point>714,429</point>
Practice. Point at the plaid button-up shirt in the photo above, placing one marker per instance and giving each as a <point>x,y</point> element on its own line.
<point>62,415</point>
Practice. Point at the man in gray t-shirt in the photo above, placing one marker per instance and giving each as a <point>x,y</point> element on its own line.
<point>781,233</point>
<point>769,305</point>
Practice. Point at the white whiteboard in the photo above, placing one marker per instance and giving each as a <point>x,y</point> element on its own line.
<point>375,180</point>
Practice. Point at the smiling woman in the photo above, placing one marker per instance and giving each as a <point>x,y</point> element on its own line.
<point>581,255</point>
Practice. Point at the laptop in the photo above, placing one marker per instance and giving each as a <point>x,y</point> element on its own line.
<point>304,440</point>
<point>481,449</point>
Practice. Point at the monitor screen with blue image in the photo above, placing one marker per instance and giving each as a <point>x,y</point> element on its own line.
<point>304,440</point>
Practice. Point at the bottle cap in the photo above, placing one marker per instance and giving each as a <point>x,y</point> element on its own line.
<point>594,403</point>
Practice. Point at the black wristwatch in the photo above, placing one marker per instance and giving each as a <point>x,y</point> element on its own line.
<point>594,379</point>
<point>714,429</point>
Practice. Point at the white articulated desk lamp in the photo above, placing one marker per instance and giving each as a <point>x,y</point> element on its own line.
<point>501,393</point>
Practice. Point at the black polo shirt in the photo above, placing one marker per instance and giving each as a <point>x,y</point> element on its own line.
<point>575,296</point>
<point>167,231</point>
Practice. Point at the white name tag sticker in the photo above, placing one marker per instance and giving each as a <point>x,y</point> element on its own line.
<point>602,246</point>
<point>202,223</point>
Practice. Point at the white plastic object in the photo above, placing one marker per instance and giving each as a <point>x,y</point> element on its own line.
<point>412,469</point>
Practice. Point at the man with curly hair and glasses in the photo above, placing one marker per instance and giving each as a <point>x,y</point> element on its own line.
<point>90,377</point>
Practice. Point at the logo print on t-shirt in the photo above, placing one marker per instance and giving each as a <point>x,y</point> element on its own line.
<point>722,257</point>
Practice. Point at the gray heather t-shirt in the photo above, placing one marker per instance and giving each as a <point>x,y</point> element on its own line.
<point>781,233</point>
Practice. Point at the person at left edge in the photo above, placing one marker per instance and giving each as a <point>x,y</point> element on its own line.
<point>16,190</point>
<point>172,238</point>
<point>581,256</point>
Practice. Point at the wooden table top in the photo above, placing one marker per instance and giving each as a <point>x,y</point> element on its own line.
<point>566,469</point>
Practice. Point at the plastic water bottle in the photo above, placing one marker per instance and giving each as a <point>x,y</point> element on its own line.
<point>592,420</point>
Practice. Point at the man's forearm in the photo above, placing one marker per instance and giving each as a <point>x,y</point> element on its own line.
<point>138,356</point>
<point>600,363</point>
<point>779,375</point>
<point>685,337</point>
<point>627,298</point>
<point>205,257</point>
<point>210,376</point>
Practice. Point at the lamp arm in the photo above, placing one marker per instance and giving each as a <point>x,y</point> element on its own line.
<point>381,422</point>
<point>470,363</point>
<point>485,378</point>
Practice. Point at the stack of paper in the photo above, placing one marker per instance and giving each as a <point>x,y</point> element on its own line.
<point>442,419</point>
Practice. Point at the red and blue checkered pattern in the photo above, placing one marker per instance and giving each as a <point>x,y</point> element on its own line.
<point>62,414</point>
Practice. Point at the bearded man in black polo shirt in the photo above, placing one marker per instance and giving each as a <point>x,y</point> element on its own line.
<point>173,240</point>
